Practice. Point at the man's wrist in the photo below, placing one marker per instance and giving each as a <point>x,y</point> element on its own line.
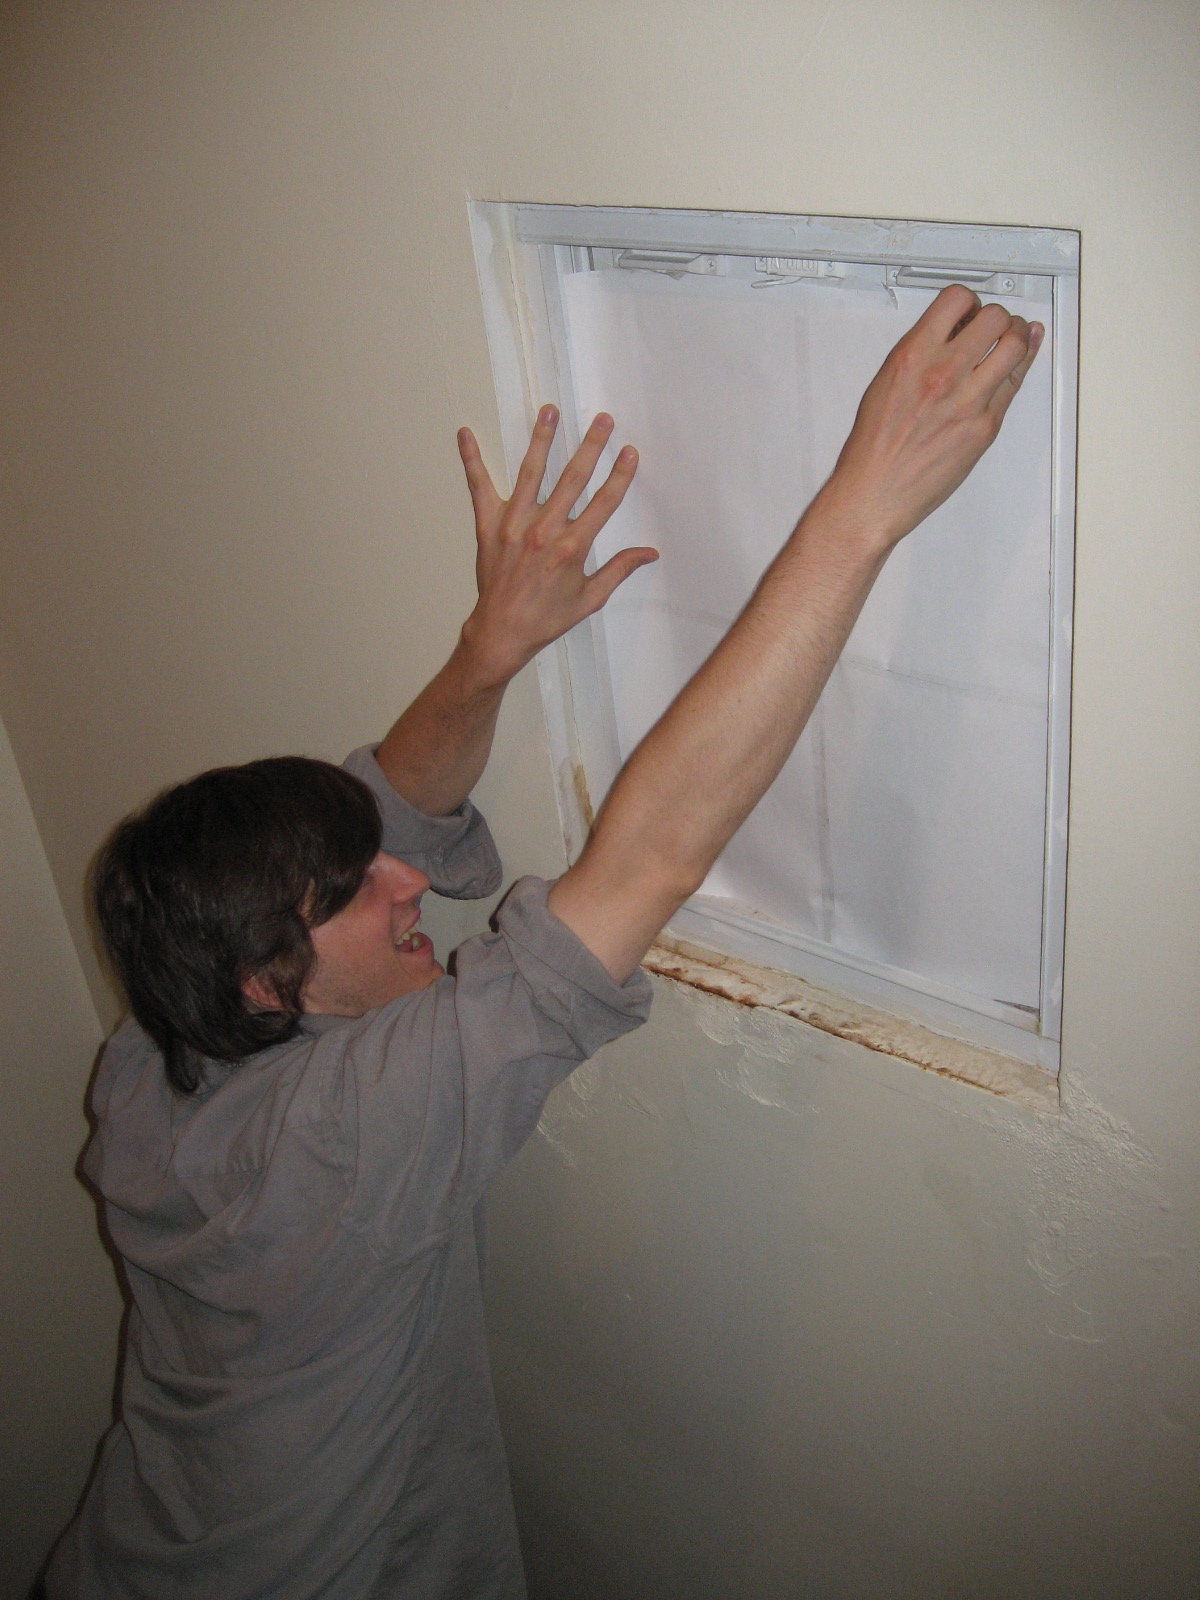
<point>480,668</point>
<point>861,529</point>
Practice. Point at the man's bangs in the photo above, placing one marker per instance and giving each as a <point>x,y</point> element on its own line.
<point>336,831</point>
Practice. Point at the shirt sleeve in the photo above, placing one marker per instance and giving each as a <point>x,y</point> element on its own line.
<point>457,853</point>
<point>435,1093</point>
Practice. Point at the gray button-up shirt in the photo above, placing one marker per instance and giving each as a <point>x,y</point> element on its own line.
<point>306,1404</point>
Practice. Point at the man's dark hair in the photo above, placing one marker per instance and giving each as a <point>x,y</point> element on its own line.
<point>220,879</point>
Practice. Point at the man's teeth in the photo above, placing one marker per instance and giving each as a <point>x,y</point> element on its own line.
<point>410,941</point>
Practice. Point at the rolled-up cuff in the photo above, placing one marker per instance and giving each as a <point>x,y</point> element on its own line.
<point>570,985</point>
<point>457,853</point>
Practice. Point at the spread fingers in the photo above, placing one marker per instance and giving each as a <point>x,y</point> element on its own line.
<point>607,497</point>
<point>577,473</point>
<point>533,467</point>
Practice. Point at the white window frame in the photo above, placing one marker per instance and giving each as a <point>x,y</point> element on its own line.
<point>521,251</point>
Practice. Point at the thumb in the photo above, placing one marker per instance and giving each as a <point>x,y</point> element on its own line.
<point>602,584</point>
<point>484,498</point>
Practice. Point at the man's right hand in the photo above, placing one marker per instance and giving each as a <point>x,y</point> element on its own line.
<point>931,411</point>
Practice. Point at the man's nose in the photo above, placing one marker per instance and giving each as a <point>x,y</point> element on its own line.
<point>406,882</point>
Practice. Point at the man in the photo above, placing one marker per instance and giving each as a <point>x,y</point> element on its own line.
<point>295,1133</point>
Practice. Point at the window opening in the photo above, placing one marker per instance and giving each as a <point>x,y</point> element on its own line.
<point>912,852</point>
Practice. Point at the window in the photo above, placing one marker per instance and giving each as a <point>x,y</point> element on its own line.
<point>912,853</point>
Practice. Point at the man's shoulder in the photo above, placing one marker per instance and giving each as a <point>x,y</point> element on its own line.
<point>129,1049</point>
<point>168,1158</point>
<point>132,1069</point>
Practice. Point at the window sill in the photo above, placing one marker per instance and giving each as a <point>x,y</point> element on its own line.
<point>748,985</point>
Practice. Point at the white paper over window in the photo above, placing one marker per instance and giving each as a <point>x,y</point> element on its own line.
<point>905,847</point>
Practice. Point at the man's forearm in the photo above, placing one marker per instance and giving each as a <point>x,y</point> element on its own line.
<point>436,751</point>
<point>724,738</point>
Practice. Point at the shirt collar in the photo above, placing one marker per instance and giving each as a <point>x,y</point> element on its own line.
<point>314,1024</point>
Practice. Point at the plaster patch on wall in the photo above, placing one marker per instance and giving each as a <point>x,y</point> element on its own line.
<point>762,1081</point>
<point>1083,1333</point>
<point>769,1045</point>
<point>571,1102</point>
<point>585,1081</point>
<point>639,1102</point>
<point>1092,1196</point>
<point>1091,1189</point>
<point>552,1129</point>
<point>760,993</point>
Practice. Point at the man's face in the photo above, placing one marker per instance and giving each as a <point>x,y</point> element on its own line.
<point>369,952</point>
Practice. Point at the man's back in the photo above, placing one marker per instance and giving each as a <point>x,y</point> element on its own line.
<point>306,1402</point>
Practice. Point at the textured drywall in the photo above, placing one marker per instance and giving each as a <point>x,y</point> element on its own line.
<point>60,1307</point>
<point>816,1323</point>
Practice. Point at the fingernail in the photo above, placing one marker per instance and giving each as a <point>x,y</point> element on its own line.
<point>628,456</point>
<point>463,437</point>
<point>1036,334</point>
<point>548,416</point>
<point>603,420</point>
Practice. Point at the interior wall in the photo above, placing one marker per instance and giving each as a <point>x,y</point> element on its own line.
<point>769,1315</point>
<point>60,1308</point>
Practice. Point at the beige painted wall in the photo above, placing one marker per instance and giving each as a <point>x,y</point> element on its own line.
<point>770,1316</point>
<point>60,1306</point>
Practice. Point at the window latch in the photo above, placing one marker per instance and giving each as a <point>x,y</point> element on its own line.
<point>675,263</point>
<point>984,279</point>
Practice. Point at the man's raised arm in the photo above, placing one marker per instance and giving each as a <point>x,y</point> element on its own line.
<point>930,413</point>
<point>532,588</point>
